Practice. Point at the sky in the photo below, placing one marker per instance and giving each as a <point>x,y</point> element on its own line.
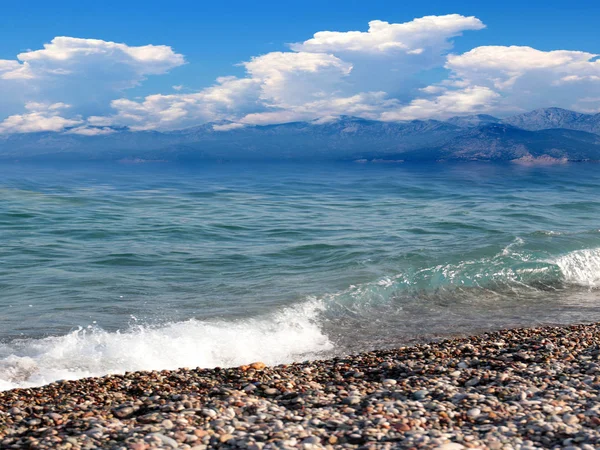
<point>88,67</point>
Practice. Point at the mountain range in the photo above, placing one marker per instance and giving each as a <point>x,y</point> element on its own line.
<point>544,135</point>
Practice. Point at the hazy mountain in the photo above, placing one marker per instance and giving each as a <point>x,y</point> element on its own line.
<point>546,118</point>
<point>473,120</point>
<point>332,140</point>
<point>503,142</point>
<point>550,132</point>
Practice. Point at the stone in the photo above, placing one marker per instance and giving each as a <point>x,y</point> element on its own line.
<point>354,400</point>
<point>473,413</point>
<point>421,394</point>
<point>123,412</point>
<point>166,440</point>
<point>208,412</point>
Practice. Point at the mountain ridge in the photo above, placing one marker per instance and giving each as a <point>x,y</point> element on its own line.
<point>543,133</point>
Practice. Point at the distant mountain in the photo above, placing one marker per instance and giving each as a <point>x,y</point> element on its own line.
<point>473,121</point>
<point>336,139</point>
<point>546,118</point>
<point>500,142</point>
<point>545,133</point>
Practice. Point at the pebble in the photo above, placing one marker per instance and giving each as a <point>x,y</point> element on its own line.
<point>420,395</point>
<point>473,382</point>
<point>165,440</point>
<point>473,413</point>
<point>123,412</point>
<point>570,419</point>
<point>354,400</point>
<point>512,389</point>
<point>209,413</point>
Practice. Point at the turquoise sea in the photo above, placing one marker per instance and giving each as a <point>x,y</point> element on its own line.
<point>106,268</point>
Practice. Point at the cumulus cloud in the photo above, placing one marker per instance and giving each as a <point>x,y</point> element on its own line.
<point>504,79</point>
<point>524,73</point>
<point>334,73</point>
<point>469,100</point>
<point>367,105</point>
<point>229,97</point>
<point>278,81</point>
<point>68,55</point>
<point>391,57</point>
<point>228,126</point>
<point>14,70</point>
<point>287,79</point>
<point>414,37</point>
<point>374,74</point>
<point>40,117</point>
<point>91,131</point>
<point>87,73</point>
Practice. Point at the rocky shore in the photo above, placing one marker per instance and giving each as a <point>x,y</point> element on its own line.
<point>521,389</point>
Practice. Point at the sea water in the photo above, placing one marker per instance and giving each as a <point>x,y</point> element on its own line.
<point>106,268</point>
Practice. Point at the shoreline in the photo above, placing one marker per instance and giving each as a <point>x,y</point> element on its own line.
<point>517,388</point>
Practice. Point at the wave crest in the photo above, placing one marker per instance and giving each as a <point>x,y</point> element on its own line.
<point>581,267</point>
<point>289,335</point>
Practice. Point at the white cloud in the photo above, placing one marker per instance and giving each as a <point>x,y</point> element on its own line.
<point>41,117</point>
<point>87,73</point>
<point>282,81</point>
<point>383,37</point>
<point>288,79</point>
<point>66,55</point>
<point>91,131</point>
<point>501,80</point>
<point>374,74</point>
<point>518,59</point>
<point>37,106</point>
<point>10,70</point>
<point>228,126</point>
<point>470,100</point>
<point>367,105</point>
<point>527,78</point>
<point>228,98</point>
<point>391,57</point>
<point>354,73</point>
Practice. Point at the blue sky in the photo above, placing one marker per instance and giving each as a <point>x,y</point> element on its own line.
<point>211,40</point>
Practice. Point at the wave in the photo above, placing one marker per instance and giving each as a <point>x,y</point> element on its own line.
<point>314,328</point>
<point>581,267</point>
<point>514,272</point>
<point>288,335</point>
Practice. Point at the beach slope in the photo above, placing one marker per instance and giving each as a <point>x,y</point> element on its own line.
<point>525,388</point>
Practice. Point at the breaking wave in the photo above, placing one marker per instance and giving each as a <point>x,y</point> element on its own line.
<point>294,333</point>
<point>288,335</point>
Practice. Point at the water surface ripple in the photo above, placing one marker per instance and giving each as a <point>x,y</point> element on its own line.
<point>106,268</point>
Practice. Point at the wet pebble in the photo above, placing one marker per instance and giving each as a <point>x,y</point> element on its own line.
<point>519,389</point>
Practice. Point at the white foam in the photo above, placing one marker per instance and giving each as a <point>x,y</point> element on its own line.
<point>290,335</point>
<point>509,249</point>
<point>581,267</point>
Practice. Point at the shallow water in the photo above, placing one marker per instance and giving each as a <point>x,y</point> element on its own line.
<point>107,268</point>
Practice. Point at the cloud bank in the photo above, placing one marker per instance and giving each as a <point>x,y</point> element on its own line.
<point>81,85</point>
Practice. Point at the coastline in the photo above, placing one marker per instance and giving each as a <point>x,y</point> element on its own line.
<point>518,388</point>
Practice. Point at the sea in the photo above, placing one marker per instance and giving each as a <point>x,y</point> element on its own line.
<point>114,267</point>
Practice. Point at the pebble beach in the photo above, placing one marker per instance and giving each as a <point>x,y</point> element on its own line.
<point>512,389</point>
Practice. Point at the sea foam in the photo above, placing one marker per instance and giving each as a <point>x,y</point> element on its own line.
<point>581,267</point>
<point>291,334</point>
